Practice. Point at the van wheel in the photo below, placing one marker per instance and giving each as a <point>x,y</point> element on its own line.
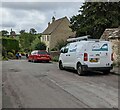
<point>106,72</point>
<point>61,65</point>
<point>80,70</point>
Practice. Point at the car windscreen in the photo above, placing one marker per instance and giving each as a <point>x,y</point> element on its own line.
<point>42,52</point>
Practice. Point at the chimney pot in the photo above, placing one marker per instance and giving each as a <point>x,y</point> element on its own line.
<point>53,19</point>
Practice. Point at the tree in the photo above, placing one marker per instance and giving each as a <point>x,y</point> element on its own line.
<point>40,46</point>
<point>95,17</point>
<point>22,31</point>
<point>26,40</point>
<point>32,31</point>
<point>34,43</point>
<point>4,32</point>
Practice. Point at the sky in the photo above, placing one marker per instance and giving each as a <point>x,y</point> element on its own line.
<point>35,14</point>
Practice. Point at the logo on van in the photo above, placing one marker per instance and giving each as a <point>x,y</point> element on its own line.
<point>97,47</point>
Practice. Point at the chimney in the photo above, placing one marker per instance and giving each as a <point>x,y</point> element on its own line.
<point>48,23</point>
<point>53,19</point>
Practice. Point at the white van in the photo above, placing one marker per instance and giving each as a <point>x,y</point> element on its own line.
<point>84,55</point>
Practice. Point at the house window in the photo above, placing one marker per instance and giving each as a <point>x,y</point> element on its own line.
<point>47,38</point>
<point>43,38</point>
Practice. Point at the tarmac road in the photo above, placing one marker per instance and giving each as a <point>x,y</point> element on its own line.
<point>43,85</point>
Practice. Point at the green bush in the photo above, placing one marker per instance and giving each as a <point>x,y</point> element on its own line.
<point>54,49</point>
<point>4,52</point>
<point>13,51</point>
<point>4,58</point>
<point>55,58</point>
<point>40,46</point>
<point>10,55</point>
<point>10,44</point>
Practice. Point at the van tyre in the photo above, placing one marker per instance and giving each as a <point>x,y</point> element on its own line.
<point>106,72</point>
<point>61,65</point>
<point>79,70</point>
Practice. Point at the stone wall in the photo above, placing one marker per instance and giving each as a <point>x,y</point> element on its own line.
<point>54,53</point>
<point>116,50</point>
<point>113,35</point>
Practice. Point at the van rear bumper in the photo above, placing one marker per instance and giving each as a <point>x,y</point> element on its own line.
<point>86,68</point>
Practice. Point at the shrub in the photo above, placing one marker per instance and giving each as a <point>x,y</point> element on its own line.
<point>10,55</point>
<point>4,58</point>
<point>13,51</point>
<point>54,49</point>
<point>40,46</point>
<point>55,58</point>
<point>10,44</point>
<point>4,52</point>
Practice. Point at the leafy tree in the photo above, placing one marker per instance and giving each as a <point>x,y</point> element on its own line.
<point>32,31</point>
<point>40,46</point>
<point>26,40</point>
<point>22,31</point>
<point>34,43</point>
<point>39,36</point>
<point>4,32</point>
<point>95,17</point>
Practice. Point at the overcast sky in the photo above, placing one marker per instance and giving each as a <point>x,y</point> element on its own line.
<point>25,15</point>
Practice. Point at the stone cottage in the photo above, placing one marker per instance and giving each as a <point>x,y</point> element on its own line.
<point>113,35</point>
<point>56,31</point>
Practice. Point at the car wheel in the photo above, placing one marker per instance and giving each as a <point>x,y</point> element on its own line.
<point>29,60</point>
<point>106,72</point>
<point>61,65</point>
<point>47,61</point>
<point>33,61</point>
<point>80,70</point>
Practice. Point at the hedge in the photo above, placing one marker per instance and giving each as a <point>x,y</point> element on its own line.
<point>10,44</point>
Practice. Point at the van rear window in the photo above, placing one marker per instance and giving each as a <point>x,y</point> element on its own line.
<point>98,47</point>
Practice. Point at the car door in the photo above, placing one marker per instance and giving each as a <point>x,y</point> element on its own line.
<point>72,55</point>
<point>66,56</point>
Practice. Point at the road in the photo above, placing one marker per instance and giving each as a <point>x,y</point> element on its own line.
<point>43,85</point>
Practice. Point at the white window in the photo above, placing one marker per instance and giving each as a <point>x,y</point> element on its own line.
<point>47,38</point>
<point>43,38</point>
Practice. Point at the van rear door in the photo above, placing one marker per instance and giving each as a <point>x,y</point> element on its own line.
<point>99,54</point>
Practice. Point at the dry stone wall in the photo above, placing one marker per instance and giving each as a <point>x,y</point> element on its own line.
<point>113,35</point>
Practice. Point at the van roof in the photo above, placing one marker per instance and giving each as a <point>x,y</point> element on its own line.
<point>88,41</point>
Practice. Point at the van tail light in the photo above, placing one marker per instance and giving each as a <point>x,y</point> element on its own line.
<point>85,57</point>
<point>112,58</point>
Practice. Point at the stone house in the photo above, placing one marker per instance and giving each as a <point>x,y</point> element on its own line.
<point>113,35</point>
<point>56,31</point>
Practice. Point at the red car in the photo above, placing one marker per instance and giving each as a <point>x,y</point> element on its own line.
<point>39,55</point>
